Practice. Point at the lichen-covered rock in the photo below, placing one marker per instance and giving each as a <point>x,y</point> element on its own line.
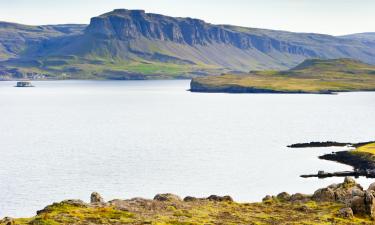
<point>324,195</point>
<point>349,180</point>
<point>167,197</point>
<point>283,196</point>
<point>217,198</point>
<point>346,213</point>
<point>96,198</point>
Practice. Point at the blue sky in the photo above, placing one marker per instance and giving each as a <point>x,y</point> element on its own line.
<point>320,16</point>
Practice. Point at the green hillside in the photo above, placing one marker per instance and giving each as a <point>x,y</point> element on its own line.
<point>311,76</point>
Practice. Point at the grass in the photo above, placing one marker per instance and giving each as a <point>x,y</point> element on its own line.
<point>194,213</point>
<point>107,68</point>
<point>312,76</point>
<point>368,148</point>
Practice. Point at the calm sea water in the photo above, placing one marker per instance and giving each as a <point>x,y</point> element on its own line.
<point>66,139</point>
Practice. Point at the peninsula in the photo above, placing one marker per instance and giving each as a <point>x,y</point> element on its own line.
<point>312,76</point>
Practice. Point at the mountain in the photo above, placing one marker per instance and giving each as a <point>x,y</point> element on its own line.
<point>133,44</point>
<point>364,37</point>
<point>311,76</point>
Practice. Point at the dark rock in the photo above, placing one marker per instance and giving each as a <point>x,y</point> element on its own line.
<point>167,197</point>
<point>267,198</point>
<point>217,198</point>
<point>283,196</point>
<point>96,198</point>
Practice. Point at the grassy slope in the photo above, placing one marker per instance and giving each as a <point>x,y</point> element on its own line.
<point>312,76</point>
<point>198,212</point>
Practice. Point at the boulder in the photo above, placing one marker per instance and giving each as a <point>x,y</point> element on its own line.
<point>358,192</point>
<point>298,197</point>
<point>346,213</point>
<point>324,195</point>
<point>357,204</point>
<point>283,196</point>
<point>267,198</point>
<point>371,187</point>
<point>349,181</point>
<point>96,198</point>
<point>370,203</point>
<point>217,198</point>
<point>7,221</point>
<point>167,197</point>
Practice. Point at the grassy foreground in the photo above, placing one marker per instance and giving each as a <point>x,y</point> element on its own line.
<point>326,206</point>
<point>201,212</point>
<point>312,76</point>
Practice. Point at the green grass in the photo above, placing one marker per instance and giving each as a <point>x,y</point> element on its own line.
<point>368,148</point>
<point>312,76</point>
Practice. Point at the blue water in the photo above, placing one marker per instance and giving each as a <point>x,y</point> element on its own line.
<point>66,139</point>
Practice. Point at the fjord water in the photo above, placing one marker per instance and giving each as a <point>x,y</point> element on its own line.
<point>66,139</point>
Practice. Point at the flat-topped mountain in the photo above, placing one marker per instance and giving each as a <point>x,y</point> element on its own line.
<point>133,44</point>
<point>311,76</point>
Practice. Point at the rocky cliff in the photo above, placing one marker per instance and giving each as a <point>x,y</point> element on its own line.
<point>173,46</point>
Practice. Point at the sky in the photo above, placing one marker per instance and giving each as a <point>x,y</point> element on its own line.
<point>335,17</point>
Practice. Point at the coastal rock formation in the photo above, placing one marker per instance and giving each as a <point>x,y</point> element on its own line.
<point>96,198</point>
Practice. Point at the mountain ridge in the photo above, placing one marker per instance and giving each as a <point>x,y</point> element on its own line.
<point>133,42</point>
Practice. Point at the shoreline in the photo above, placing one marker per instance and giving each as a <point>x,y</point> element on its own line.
<point>363,163</point>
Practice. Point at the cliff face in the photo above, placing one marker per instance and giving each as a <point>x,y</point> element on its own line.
<point>125,25</point>
<point>172,45</point>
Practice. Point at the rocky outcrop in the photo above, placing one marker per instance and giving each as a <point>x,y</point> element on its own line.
<point>96,198</point>
<point>167,197</point>
<point>217,198</point>
<point>360,202</point>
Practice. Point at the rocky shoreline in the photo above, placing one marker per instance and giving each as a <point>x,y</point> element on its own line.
<point>363,163</point>
<point>344,203</point>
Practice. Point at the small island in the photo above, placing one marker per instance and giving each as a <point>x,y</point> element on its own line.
<point>316,76</point>
<point>24,84</point>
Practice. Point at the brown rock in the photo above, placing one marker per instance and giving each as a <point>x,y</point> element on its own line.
<point>299,197</point>
<point>357,204</point>
<point>371,187</point>
<point>8,221</point>
<point>283,196</point>
<point>217,198</point>
<point>267,198</point>
<point>324,195</point>
<point>167,197</point>
<point>96,198</point>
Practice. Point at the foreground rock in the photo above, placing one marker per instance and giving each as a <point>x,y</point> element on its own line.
<point>344,203</point>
